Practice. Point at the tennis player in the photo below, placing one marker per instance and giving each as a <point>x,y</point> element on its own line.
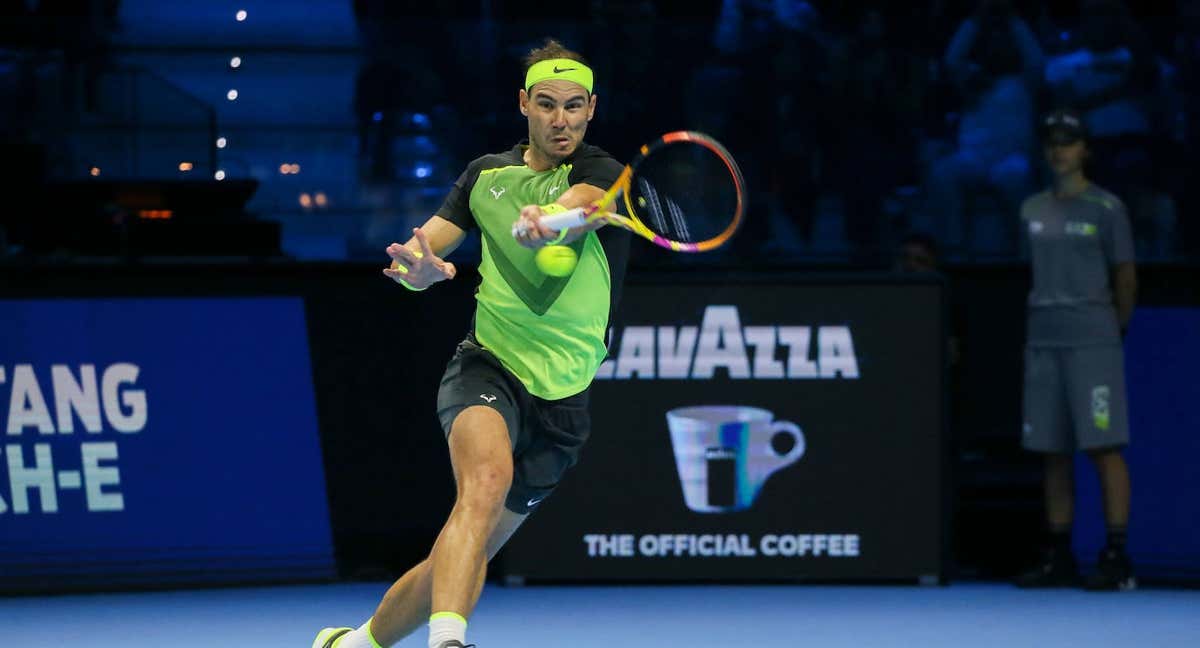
<point>513,400</point>
<point>1084,285</point>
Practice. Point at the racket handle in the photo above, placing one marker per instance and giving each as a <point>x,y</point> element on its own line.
<point>565,220</point>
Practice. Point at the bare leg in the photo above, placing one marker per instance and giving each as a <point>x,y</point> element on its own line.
<point>1114,481</point>
<point>407,605</point>
<point>482,458</point>
<point>1059,492</point>
<point>452,577</point>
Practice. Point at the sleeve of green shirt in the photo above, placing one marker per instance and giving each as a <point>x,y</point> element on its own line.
<point>457,206</point>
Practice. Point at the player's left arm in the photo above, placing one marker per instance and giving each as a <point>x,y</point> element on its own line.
<point>578,195</point>
<point>1124,291</point>
<point>1120,254</point>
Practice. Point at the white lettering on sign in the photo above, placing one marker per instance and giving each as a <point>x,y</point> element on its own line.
<point>124,408</point>
<point>62,400</point>
<point>730,545</point>
<point>722,343</point>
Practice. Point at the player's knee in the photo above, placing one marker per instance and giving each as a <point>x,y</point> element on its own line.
<point>1103,456</point>
<point>485,486</point>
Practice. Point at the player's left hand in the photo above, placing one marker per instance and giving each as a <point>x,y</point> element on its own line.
<point>419,269</point>
<point>535,234</point>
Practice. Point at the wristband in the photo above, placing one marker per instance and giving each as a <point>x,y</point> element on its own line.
<point>404,270</point>
<point>410,286</point>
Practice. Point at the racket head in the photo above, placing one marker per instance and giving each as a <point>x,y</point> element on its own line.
<point>684,192</point>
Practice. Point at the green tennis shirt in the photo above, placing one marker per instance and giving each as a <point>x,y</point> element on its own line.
<point>548,331</point>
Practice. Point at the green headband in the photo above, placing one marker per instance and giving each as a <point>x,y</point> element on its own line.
<point>564,69</point>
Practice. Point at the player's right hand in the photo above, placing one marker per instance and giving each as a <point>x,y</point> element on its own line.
<point>419,269</point>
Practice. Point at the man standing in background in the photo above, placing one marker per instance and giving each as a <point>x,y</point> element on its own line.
<point>1084,285</point>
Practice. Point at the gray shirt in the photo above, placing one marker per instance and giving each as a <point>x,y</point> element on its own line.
<point>1074,244</point>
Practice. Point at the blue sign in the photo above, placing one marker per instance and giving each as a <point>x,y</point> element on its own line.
<point>170,440</point>
<point>1162,352</point>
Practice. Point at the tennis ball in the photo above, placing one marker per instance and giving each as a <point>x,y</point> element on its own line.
<point>556,260</point>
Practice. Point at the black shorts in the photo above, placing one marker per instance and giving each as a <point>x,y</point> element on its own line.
<point>547,435</point>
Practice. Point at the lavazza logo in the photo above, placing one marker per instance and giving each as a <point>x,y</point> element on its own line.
<point>725,453</point>
<point>46,454</point>
<point>721,341</point>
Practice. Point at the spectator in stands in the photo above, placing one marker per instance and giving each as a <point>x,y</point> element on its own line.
<point>633,113</point>
<point>874,105</point>
<point>996,64</point>
<point>918,254</point>
<point>778,45</point>
<point>1109,72</point>
<point>1186,125</point>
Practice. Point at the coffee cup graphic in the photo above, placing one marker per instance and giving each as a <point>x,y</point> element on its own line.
<point>724,454</point>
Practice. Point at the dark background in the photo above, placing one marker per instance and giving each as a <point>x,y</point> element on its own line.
<point>125,169</point>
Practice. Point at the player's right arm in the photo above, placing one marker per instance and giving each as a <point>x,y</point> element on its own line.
<point>420,262</point>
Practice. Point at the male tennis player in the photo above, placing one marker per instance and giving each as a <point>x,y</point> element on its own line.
<point>1084,286</point>
<point>513,401</point>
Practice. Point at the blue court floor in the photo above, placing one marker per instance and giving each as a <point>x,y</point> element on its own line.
<point>625,617</point>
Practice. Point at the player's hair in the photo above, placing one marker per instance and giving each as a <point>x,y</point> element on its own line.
<point>552,49</point>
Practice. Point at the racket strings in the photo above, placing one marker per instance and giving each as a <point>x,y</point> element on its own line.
<point>653,206</point>
<point>678,220</point>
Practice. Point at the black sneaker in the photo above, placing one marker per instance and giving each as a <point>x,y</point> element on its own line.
<point>454,643</point>
<point>1057,569</point>
<point>1114,572</point>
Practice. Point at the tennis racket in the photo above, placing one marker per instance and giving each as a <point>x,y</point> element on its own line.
<point>683,192</point>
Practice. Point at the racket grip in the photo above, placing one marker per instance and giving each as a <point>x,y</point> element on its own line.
<point>565,220</point>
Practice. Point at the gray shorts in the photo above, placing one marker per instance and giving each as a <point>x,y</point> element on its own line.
<point>1074,399</point>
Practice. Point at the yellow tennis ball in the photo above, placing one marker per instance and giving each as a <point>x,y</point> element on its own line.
<point>556,260</point>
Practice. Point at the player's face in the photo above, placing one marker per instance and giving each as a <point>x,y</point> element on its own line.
<point>1065,158</point>
<point>558,112</point>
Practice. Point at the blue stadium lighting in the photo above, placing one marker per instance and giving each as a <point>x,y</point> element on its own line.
<point>221,142</point>
<point>378,116</point>
<point>241,15</point>
<point>1064,35</point>
<point>232,95</point>
<point>235,62</point>
<point>420,119</point>
<point>423,171</point>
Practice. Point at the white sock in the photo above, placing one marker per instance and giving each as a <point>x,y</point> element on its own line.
<point>444,626</point>
<point>360,638</point>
